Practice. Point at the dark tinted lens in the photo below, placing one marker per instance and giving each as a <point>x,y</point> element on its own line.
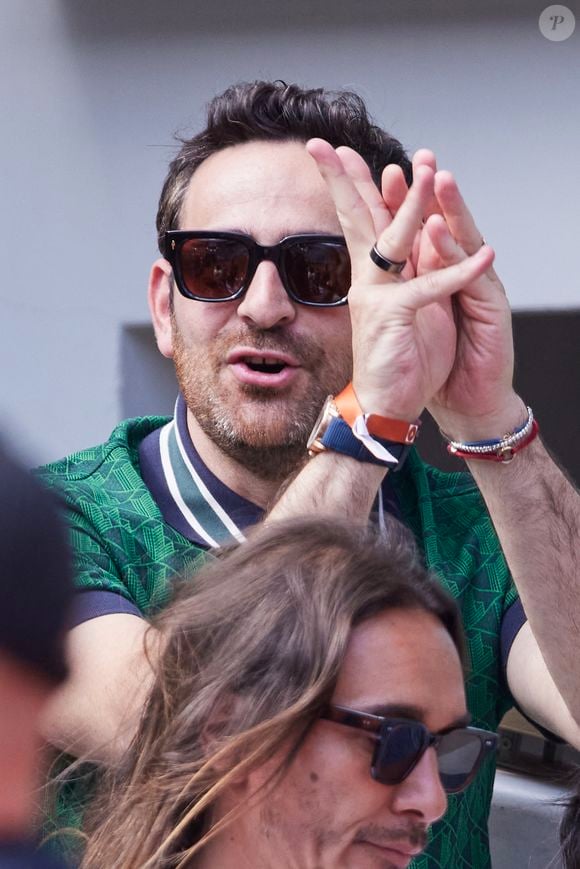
<point>213,268</point>
<point>398,751</point>
<point>318,272</point>
<point>457,753</point>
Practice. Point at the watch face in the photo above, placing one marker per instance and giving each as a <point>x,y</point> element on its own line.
<point>329,412</point>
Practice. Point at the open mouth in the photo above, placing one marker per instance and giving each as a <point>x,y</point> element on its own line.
<point>262,367</point>
<point>265,366</point>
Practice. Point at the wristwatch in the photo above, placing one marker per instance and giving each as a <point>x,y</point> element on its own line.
<point>331,432</point>
<point>327,414</point>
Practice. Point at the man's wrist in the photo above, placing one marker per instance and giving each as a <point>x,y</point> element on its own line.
<point>395,429</point>
<point>501,449</point>
<point>480,427</point>
<point>342,427</point>
<point>394,405</point>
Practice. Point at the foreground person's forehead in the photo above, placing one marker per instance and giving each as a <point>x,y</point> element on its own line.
<point>403,659</point>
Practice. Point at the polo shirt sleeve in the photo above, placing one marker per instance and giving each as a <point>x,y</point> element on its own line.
<point>125,562</point>
<point>513,619</point>
<point>93,604</point>
<point>125,557</point>
<point>101,589</point>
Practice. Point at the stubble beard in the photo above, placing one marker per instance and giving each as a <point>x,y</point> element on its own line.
<point>263,432</point>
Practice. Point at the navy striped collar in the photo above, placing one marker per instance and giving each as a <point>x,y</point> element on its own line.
<point>191,498</point>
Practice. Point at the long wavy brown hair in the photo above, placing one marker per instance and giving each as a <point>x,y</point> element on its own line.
<point>252,648</point>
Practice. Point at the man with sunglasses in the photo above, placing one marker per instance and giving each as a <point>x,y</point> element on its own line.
<point>248,298</point>
<point>318,719</point>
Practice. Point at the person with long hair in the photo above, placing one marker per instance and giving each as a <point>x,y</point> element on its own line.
<point>308,710</point>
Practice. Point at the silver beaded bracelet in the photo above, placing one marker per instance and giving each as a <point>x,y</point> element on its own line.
<point>492,446</point>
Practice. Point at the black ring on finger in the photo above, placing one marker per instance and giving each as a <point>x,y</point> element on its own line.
<point>384,263</point>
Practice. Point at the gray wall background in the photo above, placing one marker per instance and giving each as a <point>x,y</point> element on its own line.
<point>92,92</point>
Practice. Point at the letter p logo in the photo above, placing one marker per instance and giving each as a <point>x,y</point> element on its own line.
<point>557,23</point>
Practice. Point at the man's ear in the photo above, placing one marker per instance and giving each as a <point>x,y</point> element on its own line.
<point>159,297</point>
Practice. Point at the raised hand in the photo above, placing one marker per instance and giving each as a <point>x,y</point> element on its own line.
<point>404,336</point>
<point>477,400</point>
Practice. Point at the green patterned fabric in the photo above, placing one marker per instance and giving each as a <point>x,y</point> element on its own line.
<point>451,524</point>
<point>120,541</point>
<point>122,544</point>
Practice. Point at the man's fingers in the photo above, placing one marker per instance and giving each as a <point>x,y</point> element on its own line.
<point>425,157</point>
<point>360,207</point>
<point>393,187</point>
<point>396,241</point>
<point>427,257</point>
<point>353,212</point>
<point>360,174</point>
<point>450,252</point>
<point>438,285</point>
<point>441,243</point>
<point>459,219</point>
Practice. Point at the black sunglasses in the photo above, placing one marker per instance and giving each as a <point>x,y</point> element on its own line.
<point>402,742</point>
<point>219,266</point>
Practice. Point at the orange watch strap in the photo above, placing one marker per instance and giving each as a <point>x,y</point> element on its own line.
<point>347,404</point>
<point>397,430</point>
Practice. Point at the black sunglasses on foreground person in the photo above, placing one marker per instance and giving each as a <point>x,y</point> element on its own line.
<point>36,583</point>
<point>270,362</point>
<point>308,710</point>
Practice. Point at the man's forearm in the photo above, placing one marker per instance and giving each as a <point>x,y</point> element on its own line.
<point>330,485</point>
<point>95,714</point>
<point>536,513</point>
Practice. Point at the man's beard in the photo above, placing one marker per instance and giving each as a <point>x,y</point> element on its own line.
<point>263,431</point>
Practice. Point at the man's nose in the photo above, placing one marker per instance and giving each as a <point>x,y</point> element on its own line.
<point>266,303</point>
<point>422,792</point>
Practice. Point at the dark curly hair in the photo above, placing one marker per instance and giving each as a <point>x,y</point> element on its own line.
<point>277,112</point>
